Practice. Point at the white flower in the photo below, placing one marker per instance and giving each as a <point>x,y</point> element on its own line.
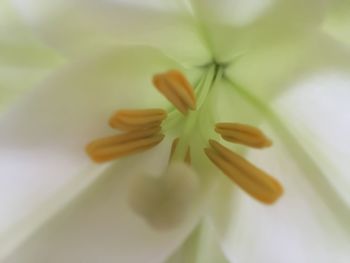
<point>266,63</point>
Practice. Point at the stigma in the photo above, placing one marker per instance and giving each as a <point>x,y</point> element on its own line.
<point>142,129</point>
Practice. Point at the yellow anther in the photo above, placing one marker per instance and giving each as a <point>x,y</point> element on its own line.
<point>129,120</point>
<point>114,147</point>
<point>176,88</point>
<point>188,153</point>
<point>250,178</point>
<point>243,134</point>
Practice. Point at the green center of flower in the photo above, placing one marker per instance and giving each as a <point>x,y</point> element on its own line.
<point>144,129</point>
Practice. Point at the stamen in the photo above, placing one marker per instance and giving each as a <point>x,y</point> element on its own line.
<point>250,178</point>
<point>114,147</point>
<point>243,134</point>
<point>175,87</point>
<point>129,120</point>
<point>188,153</point>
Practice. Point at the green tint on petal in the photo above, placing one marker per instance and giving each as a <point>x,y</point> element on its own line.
<point>24,60</point>
<point>15,82</point>
<point>265,70</point>
<point>337,22</point>
<point>235,27</point>
<point>81,26</point>
<point>235,13</point>
<point>99,225</point>
<point>300,227</point>
<point>19,46</point>
<point>231,106</point>
<point>202,246</point>
<point>23,53</point>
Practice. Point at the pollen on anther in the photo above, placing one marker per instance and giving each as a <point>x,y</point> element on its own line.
<point>243,134</point>
<point>176,88</point>
<point>129,120</point>
<point>251,179</point>
<point>114,147</point>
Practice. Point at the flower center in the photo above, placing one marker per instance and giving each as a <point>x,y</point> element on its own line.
<point>144,129</point>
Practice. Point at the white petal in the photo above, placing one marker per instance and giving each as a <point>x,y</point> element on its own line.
<point>300,227</point>
<point>316,111</point>
<point>38,199</point>
<point>43,139</point>
<point>237,12</point>
<point>268,69</point>
<point>235,27</point>
<point>86,26</point>
<point>100,226</point>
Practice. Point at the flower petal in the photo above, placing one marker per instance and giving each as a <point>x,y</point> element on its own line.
<point>86,26</point>
<point>43,139</point>
<point>235,13</point>
<point>231,106</point>
<point>234,27</point>
<point>300,227</point>
<point>24,60</point>
<point>266,69</point>
<point>317,109</point>
<point>337,22</point>
<point>100,226</point>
